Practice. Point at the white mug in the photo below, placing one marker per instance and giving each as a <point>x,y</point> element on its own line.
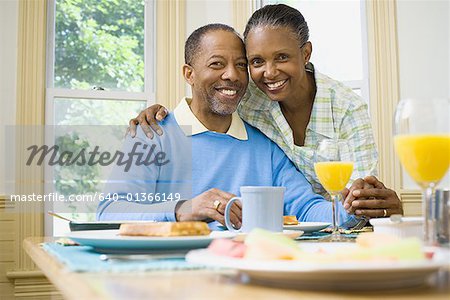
<point>262,207</point>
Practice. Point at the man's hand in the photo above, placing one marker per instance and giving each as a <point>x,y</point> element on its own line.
<point>148,119</point>
<point>370,198</point>
<point>202,208</point>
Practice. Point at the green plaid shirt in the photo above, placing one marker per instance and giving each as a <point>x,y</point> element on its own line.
<point>337,113</point>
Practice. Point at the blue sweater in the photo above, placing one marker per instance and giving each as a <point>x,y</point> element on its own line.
<point>195,164</point>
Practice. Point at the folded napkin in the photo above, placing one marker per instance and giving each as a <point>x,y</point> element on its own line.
<point>84,259</point>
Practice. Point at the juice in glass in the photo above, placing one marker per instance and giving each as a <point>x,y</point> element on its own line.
<point>333,175</point>
<point>425,157</point>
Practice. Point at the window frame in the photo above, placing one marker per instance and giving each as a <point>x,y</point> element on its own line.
<point>52,93</point>
<point>147,95</point>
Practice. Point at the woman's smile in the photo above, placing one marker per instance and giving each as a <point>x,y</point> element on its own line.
<point>276,86</point>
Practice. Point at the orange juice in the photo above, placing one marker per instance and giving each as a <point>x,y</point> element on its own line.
<point>334,175</point>
<point>425,157</point>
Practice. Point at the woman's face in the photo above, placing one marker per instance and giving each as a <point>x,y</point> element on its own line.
<point>276,61</point>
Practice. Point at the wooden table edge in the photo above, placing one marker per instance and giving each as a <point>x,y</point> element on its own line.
<point>70,284</point>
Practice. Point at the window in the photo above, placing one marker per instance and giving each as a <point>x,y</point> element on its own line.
<point>338,35</point>
<point>99,72</point>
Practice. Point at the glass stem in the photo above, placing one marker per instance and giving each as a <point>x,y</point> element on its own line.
<point>429,210</point>
<point>335,198</point>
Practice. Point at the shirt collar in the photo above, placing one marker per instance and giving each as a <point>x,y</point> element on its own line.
<point>322,108</point>
<point>184,117</point>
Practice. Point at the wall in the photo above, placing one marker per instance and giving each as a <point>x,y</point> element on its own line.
<point>200,13</point>
<point>8,66</point>
<point>424,53</point>
<point>423,36</point>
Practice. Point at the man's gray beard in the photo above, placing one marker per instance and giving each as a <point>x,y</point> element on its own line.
<point>219,109</point>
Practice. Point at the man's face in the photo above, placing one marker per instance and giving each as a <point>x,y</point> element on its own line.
<point>219,74</point>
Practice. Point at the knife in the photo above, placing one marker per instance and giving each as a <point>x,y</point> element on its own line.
<point>129,257</point>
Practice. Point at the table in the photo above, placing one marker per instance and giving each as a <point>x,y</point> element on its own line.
<point>198,284</point>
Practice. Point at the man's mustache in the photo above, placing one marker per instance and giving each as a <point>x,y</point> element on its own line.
<point>229,85</point>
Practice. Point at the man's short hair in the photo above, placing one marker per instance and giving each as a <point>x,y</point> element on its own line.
<point>191,47</point>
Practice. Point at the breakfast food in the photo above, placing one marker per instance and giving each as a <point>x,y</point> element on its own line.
<point>374,240</point>
<point>265,245</point>
<point>382,246</point>
<point>164,229</point>
<point>259,244</point>
<point>369,247</point>
<point>226,247</point>
<point>290,220</point>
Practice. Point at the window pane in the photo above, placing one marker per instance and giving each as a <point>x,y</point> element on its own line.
<point>99,43</point>
<point>357,91</point>
<point>335,33</point>
<point>95,112</point>
<point>71,134</point>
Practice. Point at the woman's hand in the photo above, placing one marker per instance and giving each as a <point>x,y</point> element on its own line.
<point>370,198</point>
<point>148,120</point>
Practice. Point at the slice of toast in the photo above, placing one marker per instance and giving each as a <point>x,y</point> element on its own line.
<point>290,220</point>
<point>165,229</point>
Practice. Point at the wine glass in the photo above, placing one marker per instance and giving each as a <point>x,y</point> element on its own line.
<point>422,142</point>
<point>333,164</point>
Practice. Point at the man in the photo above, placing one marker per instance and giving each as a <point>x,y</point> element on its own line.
<point>226,152</point>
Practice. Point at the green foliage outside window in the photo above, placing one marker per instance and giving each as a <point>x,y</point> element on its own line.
<point>73,179</point>
<point>97,43</point>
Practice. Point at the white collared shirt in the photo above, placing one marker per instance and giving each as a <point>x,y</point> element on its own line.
<point>186,119</point>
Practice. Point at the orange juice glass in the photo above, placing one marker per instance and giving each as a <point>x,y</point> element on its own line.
<point>333,164</point>
<point>422,142</point>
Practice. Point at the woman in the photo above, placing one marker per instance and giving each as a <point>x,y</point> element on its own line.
<point>296,107</point>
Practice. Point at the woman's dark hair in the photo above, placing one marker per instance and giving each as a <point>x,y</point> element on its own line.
<point>279,15</point>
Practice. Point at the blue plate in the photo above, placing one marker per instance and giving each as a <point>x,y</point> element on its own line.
<point>110,241</point>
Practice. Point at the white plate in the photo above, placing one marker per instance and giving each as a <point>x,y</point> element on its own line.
<point>111,241</point>
<point>307,226</point>
<point>331,276</point>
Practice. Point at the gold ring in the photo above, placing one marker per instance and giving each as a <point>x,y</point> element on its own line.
<point>384,212</point>
<point>216,205</point>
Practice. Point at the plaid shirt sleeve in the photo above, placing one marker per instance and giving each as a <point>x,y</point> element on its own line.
<point>357,130</point>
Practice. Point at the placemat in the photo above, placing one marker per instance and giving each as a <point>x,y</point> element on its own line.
<point>84,259</point>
